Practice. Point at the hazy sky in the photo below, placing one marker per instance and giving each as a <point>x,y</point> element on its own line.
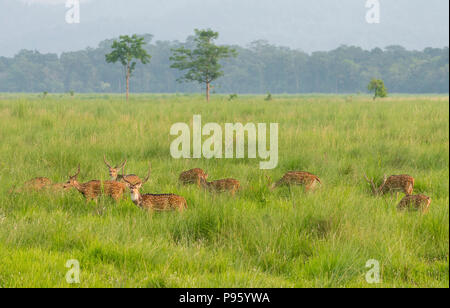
<point>309,25</point>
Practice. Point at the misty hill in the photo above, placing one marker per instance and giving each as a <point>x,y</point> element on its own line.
<point>259,68</point>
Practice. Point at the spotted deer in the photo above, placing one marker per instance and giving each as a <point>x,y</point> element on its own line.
<point>36,184</point>
<point>193,176</point>
<point>395,183</point>
<point>415,203</point>
<point>93,189</point>
<point>41,184</point>
<point>155,202</point>
<point>115,176</point>
<point>306,179</point>
<point>219,186</point>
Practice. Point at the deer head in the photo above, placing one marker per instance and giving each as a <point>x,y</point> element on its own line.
<point>134,188</point>
<point>203,182</point>
<point>270,183</point>
<point>73,180</point>
<point>114,171</point>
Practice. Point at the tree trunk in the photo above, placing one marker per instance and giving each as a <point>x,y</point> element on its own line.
<point>128,81</point>
<point>208,88</point>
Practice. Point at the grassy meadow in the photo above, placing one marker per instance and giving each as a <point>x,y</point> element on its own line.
<point>287,238</point>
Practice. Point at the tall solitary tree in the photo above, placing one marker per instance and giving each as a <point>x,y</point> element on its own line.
<point>126,50</point>
<point>377,86</point>
<point>202,62</point>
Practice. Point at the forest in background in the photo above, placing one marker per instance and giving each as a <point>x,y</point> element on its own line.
<point>258,68</point>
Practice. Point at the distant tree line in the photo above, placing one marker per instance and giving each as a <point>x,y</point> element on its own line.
<point>258,68</point>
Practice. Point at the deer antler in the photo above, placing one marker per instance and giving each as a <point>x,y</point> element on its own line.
<point>148,175</point>
<point>106,162</point>
<point>367,179</point>
<point>122,165</point>
<point>374,189</point>
<point>76,174</point>
<point>384,183</point>
<point>124,178</point>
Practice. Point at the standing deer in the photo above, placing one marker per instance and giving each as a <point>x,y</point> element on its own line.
<point>115,176</point>
<point>93,189</point>
<point>193,176</point>
<point>225,185</point>
<point>394,183</point>
<point>155,202</point>
<point>415,203</point>
<point>303,178</point>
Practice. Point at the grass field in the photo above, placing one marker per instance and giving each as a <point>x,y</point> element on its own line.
<point>256,239</point>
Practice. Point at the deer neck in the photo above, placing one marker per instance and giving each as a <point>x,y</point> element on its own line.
<point>136,198</point>
<point>78,186</point>
<point>116,178</point>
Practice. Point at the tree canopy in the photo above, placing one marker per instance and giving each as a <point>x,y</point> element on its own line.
<point>202,62</point>
<point>378,88</point>
<point>126,50</point>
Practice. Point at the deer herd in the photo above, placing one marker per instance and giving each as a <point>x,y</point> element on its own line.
<point>119,182</point>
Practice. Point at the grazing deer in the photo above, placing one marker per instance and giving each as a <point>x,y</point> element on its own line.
<point>193,176</point>
<point>115,176</point>
<point>394,183</point>
<point>155,202</point>
<point>303,178</point>
<point>93,189</point>
<point>226,185</point>
<point>41,184</point>
<point>415,203</point>
<point>36,184</point>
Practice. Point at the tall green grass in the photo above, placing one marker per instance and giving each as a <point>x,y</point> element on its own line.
<point>256,239</point>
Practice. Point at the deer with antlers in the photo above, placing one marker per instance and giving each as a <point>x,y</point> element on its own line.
<point>193,176</point>
<point>394,183</point>
<point>302,178</point>
<point>115,176</point>
<point>155,202</point>
<point>415,203</point>
<point>93,189</point>
<point>219,186</point>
